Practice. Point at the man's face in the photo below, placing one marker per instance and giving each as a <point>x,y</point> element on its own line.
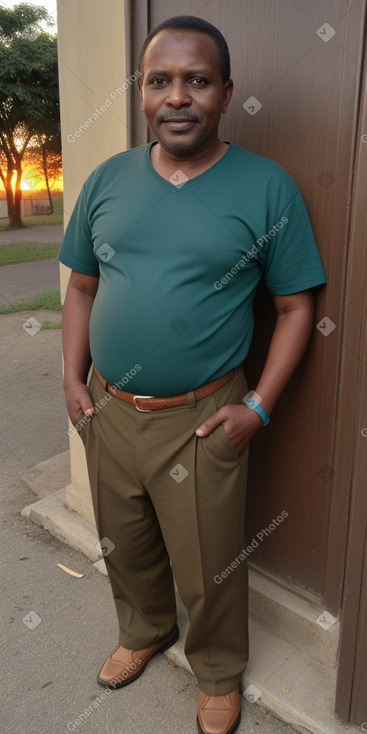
<point>182,90</point>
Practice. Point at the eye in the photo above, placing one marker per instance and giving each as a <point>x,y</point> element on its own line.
<point>199,81</point>
<point>158,81</point>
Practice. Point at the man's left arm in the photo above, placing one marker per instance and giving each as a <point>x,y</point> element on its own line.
<point>288,343</point>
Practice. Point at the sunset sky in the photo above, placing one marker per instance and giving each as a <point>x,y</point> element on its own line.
<point>31,179</point>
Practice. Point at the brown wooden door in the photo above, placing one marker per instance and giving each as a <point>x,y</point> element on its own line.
<point>302,61</point>
<point>304,73</point>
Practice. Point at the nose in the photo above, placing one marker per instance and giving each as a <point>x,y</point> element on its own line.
<point>178,94</point>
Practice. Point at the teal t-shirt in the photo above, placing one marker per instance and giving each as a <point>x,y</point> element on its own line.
<point>179,265</point>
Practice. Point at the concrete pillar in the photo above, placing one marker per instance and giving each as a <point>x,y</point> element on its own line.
<point>93,100</point>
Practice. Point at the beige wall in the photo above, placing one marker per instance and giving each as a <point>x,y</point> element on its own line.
<point>92,70</point>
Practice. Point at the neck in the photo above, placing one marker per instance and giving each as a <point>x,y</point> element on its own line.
<point>196,159</point>
<point>166,162</point>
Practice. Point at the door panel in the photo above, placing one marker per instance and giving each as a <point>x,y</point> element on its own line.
<point>307,82</point>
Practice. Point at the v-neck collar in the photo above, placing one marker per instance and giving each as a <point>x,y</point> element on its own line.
<point>191,181</point>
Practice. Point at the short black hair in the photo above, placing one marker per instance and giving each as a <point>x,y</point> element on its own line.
<point>190,22</point>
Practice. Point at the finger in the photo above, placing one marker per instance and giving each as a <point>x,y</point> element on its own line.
<point>86,405</point>
<point>210,424</point>
<point>86,402</point>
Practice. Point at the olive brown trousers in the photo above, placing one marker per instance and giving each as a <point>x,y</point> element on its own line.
<point>169,504</point>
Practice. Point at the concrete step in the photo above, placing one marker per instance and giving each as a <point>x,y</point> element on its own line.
<point>292,618</point>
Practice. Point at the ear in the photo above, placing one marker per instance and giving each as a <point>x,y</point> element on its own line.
<point>227,94</point>
<point>140,87</point>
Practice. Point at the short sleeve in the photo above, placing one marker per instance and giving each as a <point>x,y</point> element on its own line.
<point>76,249</point>
<point>292,261</point>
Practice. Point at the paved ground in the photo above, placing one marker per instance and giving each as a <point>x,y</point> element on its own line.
<point>48,233</point>
<point>56,630</point>
<point>22,281</point>
<point>18,282</point>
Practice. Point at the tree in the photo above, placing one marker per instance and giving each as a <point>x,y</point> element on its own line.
<point>29,98</point>
<point>44,161</point>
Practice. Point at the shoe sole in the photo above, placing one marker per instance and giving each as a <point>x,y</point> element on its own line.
<point>233,728</point>
<point>124,683</point>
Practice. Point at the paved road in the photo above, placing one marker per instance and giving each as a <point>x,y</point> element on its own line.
<point>19,282</point>
<point>48,233</point>
<point>22,281</point>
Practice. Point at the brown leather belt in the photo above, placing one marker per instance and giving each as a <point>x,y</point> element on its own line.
<point>146,403</point>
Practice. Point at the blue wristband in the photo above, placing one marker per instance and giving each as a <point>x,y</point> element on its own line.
<point>259,410</point>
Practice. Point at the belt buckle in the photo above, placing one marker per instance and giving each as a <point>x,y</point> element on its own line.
<point>142,410</point>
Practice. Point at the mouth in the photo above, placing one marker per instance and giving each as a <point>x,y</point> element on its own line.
<point>180,124</point>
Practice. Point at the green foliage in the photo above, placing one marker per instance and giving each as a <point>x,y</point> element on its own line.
<point>49,299</point>
<point>29,97</point>
<point>22,19</point>
<point>21,252</point>
<point>51,325</point>
<point>28,69</point>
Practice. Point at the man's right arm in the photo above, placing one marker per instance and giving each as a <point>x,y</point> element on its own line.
<point>78,304</point>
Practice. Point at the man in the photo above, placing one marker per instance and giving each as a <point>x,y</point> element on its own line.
<point>167,244</point>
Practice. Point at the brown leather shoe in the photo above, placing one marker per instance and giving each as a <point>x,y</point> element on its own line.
<point>123,666</point>
<point>219,714</point>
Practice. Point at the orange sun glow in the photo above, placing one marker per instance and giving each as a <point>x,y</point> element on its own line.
<point>34,181</point>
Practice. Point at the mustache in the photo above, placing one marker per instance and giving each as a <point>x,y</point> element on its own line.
<point>178,116</point>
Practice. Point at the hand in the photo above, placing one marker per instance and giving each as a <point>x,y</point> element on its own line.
<point>239,422</point>
<point>78,398</point>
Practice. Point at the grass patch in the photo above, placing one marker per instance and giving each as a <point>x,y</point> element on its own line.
<point>49,300</point>
<point>51,325</point>
<point>40,220</point>
<point>21,252</point>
